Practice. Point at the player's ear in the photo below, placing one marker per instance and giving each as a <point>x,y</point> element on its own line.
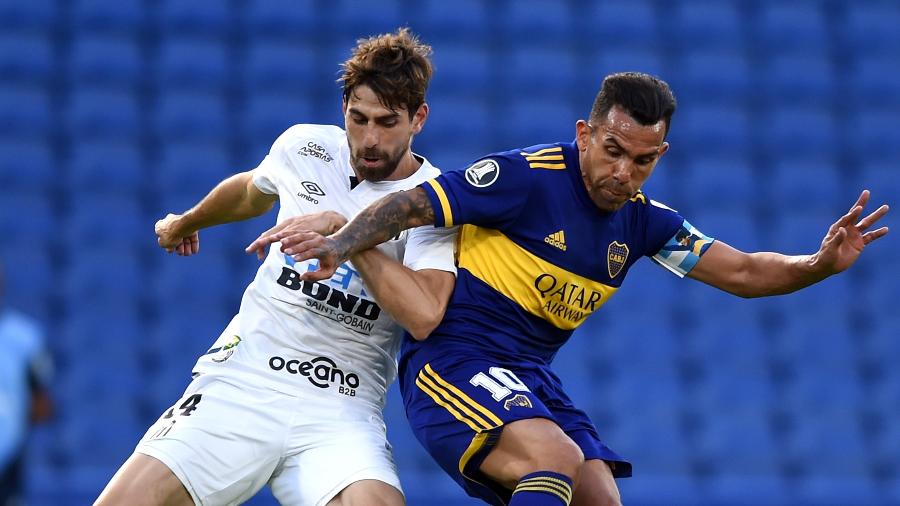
<point>419,118</point>
<point>582,134</point>
<point>663,148</point>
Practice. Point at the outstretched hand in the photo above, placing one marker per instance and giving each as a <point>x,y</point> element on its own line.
<point>295,229</point>
<point>847,237</point>
<point>172,239</point>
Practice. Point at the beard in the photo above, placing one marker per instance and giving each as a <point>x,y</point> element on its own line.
<point>386,165</point>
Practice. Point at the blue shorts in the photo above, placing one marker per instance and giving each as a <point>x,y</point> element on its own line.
<point>457,406</point>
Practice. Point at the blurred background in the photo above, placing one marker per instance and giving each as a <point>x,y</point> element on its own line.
<point>115,112</point>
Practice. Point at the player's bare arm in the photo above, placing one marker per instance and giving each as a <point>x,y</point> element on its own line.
<point>374,225</point>
<point>417,300</point>
<point>234,199</point>
<point>766,273</point>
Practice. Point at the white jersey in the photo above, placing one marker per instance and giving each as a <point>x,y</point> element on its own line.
<point>327,338</point>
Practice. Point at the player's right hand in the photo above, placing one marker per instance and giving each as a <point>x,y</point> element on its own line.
<point>172,239</point>
<point>308,245</point>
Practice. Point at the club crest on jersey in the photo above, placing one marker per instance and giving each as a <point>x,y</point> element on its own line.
<point>483,173</point>
<point>519,401</point>
<point>617,254</point>
<point>225,352</point>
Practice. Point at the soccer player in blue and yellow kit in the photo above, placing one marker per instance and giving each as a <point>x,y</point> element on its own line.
<point>548,234</point>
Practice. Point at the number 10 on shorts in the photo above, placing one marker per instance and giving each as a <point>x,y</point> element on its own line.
<point>501,382</point>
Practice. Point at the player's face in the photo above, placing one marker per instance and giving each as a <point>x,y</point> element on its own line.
<point>617,155</point>
<point>379,137</point>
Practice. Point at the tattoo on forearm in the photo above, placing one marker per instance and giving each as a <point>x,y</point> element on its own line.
<point>383,220</point>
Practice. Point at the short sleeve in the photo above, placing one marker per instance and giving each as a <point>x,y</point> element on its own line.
<point>431,248</point>
<point>490,193</point>
<point>270,173</point>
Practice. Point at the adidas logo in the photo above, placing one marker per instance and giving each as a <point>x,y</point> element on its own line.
<point>557,239</point>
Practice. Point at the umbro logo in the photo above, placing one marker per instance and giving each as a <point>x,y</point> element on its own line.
<point>311,190</point>
<point>557,239</point>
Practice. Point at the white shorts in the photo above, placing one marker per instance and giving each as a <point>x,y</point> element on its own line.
<point>225,442</point>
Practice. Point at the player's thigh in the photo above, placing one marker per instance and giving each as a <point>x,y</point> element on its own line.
<point>368,493</point>
<point>530,445</point>
<point>596,486</point>
<point>327,458</point>
<point>221,440</point>
<point>144,481</point>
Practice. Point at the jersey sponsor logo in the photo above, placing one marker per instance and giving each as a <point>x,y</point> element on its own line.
<point>223,353</point>
<point>519,401</point>
<point>548,158</point>
<point>310,191</point>
<point>316,151</point>
<point>322,372</point>
<point>353,312</point>
<point>567,300</point>
<point>557,239</point>
<point>617,254</point>
<point>483,173</point>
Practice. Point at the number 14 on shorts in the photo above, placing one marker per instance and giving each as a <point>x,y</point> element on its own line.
<point>501,383</point>
<point>185,409</point>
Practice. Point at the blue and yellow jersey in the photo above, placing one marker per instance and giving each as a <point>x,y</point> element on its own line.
<point>536,256</point>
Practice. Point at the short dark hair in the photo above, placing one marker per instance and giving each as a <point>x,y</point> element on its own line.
<point>396,67</point>
<point>647,99</point>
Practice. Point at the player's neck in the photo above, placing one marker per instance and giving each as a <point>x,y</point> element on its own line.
<point>408,166</point>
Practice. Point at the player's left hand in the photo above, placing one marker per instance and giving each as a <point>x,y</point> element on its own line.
<point>324,223</point>
<point>308,245</point>
<point>847,237</point>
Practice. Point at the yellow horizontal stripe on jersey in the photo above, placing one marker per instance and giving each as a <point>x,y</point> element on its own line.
<point>553,166</point>
<point>445,202</point>
<point>429,372</point>
<point>545,158</point>
<point>539,287</point>
<point>557,149</point>
<point>453,411</point>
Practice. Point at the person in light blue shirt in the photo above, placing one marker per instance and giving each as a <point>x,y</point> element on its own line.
<point>25,369</point>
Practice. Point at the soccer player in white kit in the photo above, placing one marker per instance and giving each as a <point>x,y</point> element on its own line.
<point>291,394</point>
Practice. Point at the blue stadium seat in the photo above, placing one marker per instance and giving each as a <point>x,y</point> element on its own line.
<point>802,231</point>
<point>798,77</point>
<point>34,65</point>
<point>192,117</point>
<point>106,61</point>
<point>24,112</point>
<point>462,69</point>
<point>284,18</point>
<point>621,19</point>
<point>126,16</point>
<point>874,131</point>
<point>291,66</point>
<point>789,184</point>
<point>871,80</point>
<point>113,328</point>
<point>608,58</point>
<point>94,114</point>
<point>32,15</point>
<point>710,129</point>
<point>192,168</point>
<point>760,486</point>
<point>26,218</point>
<point>268,116</point>
<point>712,75</point>
<point>537,120</point>
<point>106,167</point>
<point>186,63</point>
<point>27,165</point>
<point>107,276</point>
<point>438,20</point>
<point>795,25</point>
<point>652,441</point>
<point>536,20</point>
<point>799,130</point>
<point>90,223</point>
<point>532,69</point>
<point>199,17</point>
<point>723,180</point>
<point>28,271</point>
<point>203,278</point>
<point>708,23</point>
<point>739,440</point>
<point>344,16</point>
<point>871,27</point>
<point>829,442</point>
<point>851,488</point>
